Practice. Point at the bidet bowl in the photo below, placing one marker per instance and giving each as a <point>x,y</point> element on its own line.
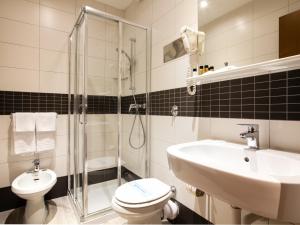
<point>26,187</point>
<point>33,187</point>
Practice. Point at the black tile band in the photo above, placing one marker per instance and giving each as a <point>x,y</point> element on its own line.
<point>272,96</point>
<point>11,102</point>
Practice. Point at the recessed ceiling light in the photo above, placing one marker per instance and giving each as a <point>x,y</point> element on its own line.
<point>203,4</point>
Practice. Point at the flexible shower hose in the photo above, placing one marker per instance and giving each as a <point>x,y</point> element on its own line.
<point>137,114</point>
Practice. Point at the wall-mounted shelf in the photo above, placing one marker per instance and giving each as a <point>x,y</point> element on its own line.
<point>266,67</point>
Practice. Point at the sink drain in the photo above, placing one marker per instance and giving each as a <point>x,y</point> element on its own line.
<point>246,159</point>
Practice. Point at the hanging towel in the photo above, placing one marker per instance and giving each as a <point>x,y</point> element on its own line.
<point>23,133</point>
<point>23,143</point>
<point>45,121</point>
<point>23,122</point>
<point>45,131</point>
<point>45,141</point>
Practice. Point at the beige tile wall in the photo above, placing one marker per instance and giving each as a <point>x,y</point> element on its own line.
<point>246,35</point>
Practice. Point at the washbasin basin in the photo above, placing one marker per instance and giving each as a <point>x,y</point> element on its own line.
<point>265,182</point>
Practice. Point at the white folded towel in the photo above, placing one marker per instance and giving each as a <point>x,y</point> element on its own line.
<point>23,122</point>
<point>45,141</point>
<point>23,143</point>
<point>45,121</point>
<point>23,133</point>
<point>45,131</point>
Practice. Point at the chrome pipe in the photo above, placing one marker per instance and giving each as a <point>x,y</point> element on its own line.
<point>119,153</point>
<point>84,109</point>
<point>96,12</point>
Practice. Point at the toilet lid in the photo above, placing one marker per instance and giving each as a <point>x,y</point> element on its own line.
<point>141,191</point>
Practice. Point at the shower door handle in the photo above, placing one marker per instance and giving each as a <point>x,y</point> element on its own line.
<point>82,109</point>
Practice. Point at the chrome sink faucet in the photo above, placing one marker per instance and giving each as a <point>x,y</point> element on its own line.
<point>251,135</point>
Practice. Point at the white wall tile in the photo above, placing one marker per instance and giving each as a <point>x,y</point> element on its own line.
<point>266,44</point>
<point>53,61</point>
<point>163,77</point>
<point>4,150</point>
<point>5,125</point>
<point>63,5</point>
<point>164,27</point>
<point>53,40</point>
<point>20,10</point>
<point>268,23</point>
<point>285,135</point>
<point>160,8</point>
<point>166,134</point>
<point>262,8</point>
<point>96,67</point>
<point>56,19</point>
<point>18,56</point>
<point>185,14</point>
<point>10,79</point>
<point>51,82</point>
<point>19,33</point>
<point>159,152</point>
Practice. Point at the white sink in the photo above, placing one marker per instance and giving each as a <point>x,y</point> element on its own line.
<point>268,184</point>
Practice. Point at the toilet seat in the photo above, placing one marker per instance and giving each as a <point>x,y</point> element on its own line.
<point>142,193</point>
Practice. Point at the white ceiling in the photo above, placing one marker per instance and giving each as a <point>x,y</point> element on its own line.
<point>118,4</point>
<point>217,8</point>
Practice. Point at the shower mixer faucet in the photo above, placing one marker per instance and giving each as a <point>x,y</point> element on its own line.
<point>136,106</point>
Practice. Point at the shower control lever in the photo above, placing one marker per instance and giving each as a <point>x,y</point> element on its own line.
<point>136,106</point>
<point>174,110</point>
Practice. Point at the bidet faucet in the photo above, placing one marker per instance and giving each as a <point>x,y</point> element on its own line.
<point>251,135</point>
<point>36,164</point>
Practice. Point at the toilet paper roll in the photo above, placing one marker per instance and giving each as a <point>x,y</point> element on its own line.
<point>171,210</point>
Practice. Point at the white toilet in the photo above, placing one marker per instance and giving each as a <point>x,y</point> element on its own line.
<point>32,186</point>
<point>141,201</point>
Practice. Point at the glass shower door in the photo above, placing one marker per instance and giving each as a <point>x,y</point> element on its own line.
<point>77,116</point>
<point>102,115</point>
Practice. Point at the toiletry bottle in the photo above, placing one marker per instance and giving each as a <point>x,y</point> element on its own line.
<point>205,68</point>
<point>211,68</point>
<point>200,71</point>
<point>195,71</point>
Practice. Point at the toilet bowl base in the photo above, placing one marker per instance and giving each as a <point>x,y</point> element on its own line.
<point>151,218</point>
<point>35,211</point>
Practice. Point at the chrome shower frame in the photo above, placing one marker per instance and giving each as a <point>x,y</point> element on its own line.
<point>82,21</point>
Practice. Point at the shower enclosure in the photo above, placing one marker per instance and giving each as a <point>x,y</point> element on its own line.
<point>109,71</point>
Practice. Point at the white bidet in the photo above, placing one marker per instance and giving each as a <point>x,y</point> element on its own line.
<point>32,186</point>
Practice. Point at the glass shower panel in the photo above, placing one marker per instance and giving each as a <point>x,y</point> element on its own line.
<point>102,126</point>
<point>79,116</point>
<point>134,92</point>
<point>72,72</point>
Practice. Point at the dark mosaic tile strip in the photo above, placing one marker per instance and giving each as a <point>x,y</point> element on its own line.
<point>11,102</point>
<point>270,96</point>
